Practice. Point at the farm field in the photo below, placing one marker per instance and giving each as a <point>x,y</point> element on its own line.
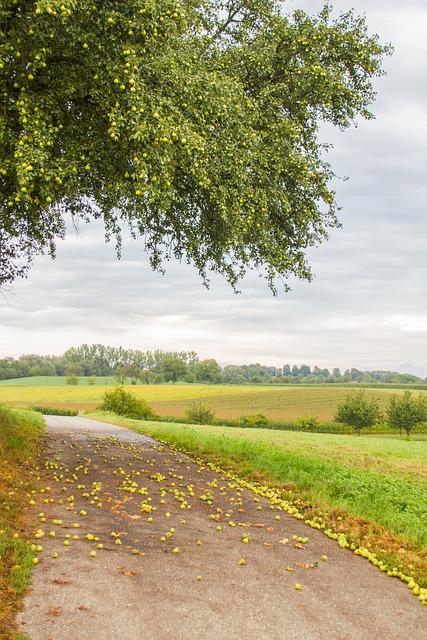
<point>227,401</point>
<point>54,381</point>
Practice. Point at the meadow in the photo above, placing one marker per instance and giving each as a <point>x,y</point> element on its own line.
<point>228,401</point>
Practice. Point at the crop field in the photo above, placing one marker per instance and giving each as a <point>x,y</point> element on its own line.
<point>54,381</point>
<point>227,401</point>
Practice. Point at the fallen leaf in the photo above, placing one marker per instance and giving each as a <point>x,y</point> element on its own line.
<point>126,572</point>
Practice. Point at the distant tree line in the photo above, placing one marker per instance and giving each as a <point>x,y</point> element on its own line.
<point>150,367</point>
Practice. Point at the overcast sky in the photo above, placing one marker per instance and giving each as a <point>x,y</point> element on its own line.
<point>367,306</point>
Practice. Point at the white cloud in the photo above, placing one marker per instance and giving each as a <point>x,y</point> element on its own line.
<point>367,306</point>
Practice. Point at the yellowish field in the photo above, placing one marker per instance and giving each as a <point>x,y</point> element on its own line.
<point>227,401</point>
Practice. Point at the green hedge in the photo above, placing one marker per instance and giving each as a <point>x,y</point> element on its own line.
<point>307,424</point>
<point>56,411</point>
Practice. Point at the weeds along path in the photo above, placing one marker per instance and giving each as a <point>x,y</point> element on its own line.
<point>139,541</point>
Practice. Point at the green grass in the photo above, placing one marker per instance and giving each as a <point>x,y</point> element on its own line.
<point>228,401</point>
<point>19,434</point>
<point>382,480</point>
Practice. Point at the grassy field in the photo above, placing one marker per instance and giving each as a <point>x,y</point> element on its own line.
<point>54,381</point>
<point>19,433</point>
<point>227,401</point>
<point>378,485</point>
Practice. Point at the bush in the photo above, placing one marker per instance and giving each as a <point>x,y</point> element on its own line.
<point>72,380</point>
<point>125,404</point>
<point>199,414</point>
<point>312,425</point>
<point>308,423</point>
<point>257,421</point>
<point>56,411</point>
<point>91,380</point>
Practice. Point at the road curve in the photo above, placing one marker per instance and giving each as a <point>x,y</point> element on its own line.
<point>181,569</point>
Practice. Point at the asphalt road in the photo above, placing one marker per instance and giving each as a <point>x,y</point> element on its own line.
<point>181,570</point>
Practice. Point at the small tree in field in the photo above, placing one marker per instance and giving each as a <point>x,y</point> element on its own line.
<point>406,412</point>
<point>121,374</point>
<point>72,379</point>
<point>358,411</point>
<point>91,380</point>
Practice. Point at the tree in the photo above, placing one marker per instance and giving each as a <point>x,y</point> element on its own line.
<point>208,371</point>
<point>173,368</point>
<point>133,372</point>
<point>147,376</point>
<point>304,371</point>
<point>121,374</point>
<point>73,370</point>
<point>406,412</point>
<point>194,124</point>
<point>358,411</point>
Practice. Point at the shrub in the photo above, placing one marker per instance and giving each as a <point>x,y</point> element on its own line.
<point>199,413</point>
<point>257,420</point>
<point>308,423</point>
<point>358,411</point>
<point>91,380</point>
<point>72,379</point>
<point>56,411</point>
<point>126,404</point>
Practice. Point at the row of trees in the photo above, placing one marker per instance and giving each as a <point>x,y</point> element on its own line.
<point>133,365</point>
<point>404,412</point>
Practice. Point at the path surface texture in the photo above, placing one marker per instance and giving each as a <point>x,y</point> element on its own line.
<point>142,543</point>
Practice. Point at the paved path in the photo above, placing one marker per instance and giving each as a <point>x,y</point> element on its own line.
<point>176,573</point>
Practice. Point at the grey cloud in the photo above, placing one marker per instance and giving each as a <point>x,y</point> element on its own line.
<point>367,305</point>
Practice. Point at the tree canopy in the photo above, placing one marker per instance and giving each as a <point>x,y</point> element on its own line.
<point>406,412</point>
<point>358,411</point>
<point>194,124</point>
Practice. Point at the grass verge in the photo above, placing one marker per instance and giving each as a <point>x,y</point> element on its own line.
<point>19,434</point>
<point>383,513</point>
